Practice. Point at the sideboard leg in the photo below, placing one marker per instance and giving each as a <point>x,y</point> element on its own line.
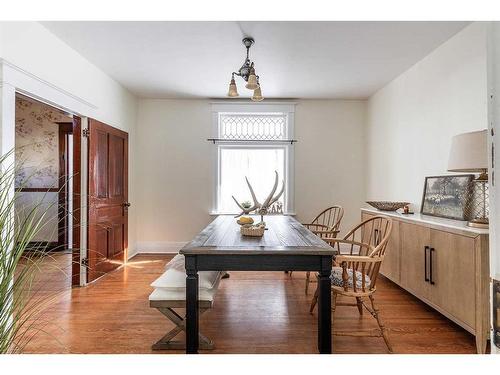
<point>481,343</point>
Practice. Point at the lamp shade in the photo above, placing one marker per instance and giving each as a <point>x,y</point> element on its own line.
<point>252,81</point>
<point>469,152</point>
<point>233,91</point>
<point>257,95</point>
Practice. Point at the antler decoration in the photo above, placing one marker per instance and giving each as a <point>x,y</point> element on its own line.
<point>261,208</point>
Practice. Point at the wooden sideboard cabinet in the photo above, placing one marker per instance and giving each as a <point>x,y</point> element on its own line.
<point>445,264</point>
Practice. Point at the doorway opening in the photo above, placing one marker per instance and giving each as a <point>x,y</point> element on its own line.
<point>45,181</point>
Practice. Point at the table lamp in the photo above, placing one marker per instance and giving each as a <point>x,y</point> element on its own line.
<point>469,153</point>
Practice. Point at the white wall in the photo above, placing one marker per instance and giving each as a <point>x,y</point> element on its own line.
<point>173,172</point>
<point>410,122</point>
<point>34,61</point>
<point>329,158</point>
<point>175,167</point>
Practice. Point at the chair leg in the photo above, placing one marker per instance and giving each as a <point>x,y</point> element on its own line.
<point>380,324</point>
<point>359,302</point>
<point>308,280</point>
<point>314,300</point>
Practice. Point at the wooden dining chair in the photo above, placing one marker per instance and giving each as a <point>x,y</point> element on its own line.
<point>325,225</point>
<point>360,255</point>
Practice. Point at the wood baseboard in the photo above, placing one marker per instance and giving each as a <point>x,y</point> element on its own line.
<point>44,246</point>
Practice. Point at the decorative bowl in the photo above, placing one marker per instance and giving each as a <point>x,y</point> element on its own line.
<point>387,206</point>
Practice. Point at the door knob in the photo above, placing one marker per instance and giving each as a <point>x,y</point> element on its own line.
<point>126,204</point>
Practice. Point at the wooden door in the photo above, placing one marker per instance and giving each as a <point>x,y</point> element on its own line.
<point>108,199</point>
<point>453,278</point>
<point>415,249</point>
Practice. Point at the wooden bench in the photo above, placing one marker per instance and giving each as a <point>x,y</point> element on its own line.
<point>170,295</point>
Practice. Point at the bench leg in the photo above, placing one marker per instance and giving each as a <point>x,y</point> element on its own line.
<point>166,343</point>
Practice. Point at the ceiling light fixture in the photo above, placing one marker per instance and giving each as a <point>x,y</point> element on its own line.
<point>247,72</point>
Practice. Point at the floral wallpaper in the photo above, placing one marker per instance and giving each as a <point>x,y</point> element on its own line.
<point>37,138</point>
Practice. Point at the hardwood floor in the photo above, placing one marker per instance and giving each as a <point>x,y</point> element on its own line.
<point>265,312</point>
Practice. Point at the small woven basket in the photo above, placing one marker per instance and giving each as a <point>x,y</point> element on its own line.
<point>252,231</point>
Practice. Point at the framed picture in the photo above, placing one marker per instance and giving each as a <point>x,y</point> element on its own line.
<point>447,196</point>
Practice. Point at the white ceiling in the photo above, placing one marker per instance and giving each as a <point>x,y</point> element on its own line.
<point>294,59</point>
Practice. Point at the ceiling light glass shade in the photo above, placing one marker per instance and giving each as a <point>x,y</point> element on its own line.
<point>233,91</point>
<point>257,95</point>
<point>252,81</point>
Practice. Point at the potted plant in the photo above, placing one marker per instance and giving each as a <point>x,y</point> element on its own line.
<point>21,304</point>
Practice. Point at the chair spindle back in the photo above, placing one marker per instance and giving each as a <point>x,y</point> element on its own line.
<point>369,241</point>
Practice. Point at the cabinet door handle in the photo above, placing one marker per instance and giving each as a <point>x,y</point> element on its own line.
<point>425,263</point>
<point>430,266</point>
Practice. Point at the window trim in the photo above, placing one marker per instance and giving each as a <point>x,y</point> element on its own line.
<point>288,109</point>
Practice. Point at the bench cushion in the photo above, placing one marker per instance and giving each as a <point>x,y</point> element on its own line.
<point>174,277</point>
<point>163,294</point>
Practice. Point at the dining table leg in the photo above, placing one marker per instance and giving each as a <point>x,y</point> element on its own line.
<point>192,328</point>
<point>325,310</point>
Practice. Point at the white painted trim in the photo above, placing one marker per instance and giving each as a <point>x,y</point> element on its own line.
<point>131,254</point>
<point>36,87</point>
<point>7,142</point>
<point>242,101</point>
<point>83,202</point>
<point>47,84</point>
<point>7,120</point>
<point>29,84</point>
<point>288,168</point>
<point>287,108</point>
<point>262,107</point>
<point>158,247</point>
<point>493,64</point>
<point>493,126</point>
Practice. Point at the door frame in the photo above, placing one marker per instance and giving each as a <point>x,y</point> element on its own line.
<point>15,79</point>
<point>78,274</point>
<point>65,129</point>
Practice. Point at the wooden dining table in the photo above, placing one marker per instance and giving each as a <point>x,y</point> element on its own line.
<point>285,246</point>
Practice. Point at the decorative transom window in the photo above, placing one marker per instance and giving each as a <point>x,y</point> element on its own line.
<point>252,141</point>
<point>245,126</point>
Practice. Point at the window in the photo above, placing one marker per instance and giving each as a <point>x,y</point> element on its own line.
<point>252,143</point>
